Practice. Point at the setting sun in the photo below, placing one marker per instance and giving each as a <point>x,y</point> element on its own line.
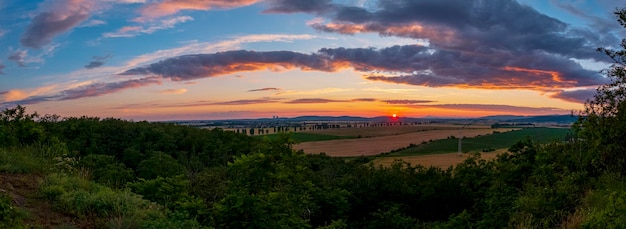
<point>394,115</point>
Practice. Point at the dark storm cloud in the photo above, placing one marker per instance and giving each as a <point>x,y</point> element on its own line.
<point>55,19</point>
<point>1,67</point>
<point>265,89</point>
<point>92,90</point>
<point>576,96</point>
<point>97,61</point>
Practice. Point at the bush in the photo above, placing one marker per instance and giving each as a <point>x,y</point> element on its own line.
<point>85,199</point>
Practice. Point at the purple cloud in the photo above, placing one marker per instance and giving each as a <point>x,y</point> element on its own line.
<point>315,100</point>
<point>501,109</point>
<point>265,89</point>
<point>19,57</point>
<point>97,61</point>
<point>55,19</point>
<point>576,96</point>
<point>246,101</point>
<point>91,90</point>
<point>406,101</point>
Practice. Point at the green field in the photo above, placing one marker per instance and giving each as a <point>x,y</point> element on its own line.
<point>307,137</point>
<point>492,141</point>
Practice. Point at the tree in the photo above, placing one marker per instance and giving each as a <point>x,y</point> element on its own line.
<point>603,122</point>
<point>159,165</point>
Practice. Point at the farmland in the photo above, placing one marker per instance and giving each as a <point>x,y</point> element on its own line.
<point>394,139</point>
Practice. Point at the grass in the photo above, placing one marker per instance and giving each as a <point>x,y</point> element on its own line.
<point>485,142</point>
<point>299,137</point>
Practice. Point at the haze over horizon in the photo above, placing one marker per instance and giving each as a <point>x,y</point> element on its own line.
<point>221,59</point>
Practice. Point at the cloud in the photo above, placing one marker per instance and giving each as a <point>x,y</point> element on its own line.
<point>90,90</point>
<point>364,100</point>
<point>205,47</point>
<point>483,44</point>
<point>3,32</point>
<point>93,23</point>
<point>132,31</point>
<point>406,101</point>
<point>179,91</point>
<point>55,18</point>
<point>296,6</point>
<point>246,101</point>
<point>575,96</point>
<point>163,8</point>
<point>409,64</point>
<point>500,109</point>
<point>97,61</point>
<point>2,67</point>
<point>191,67</point>
<point>314,92</point>
<point>19,57</point>
<point>265,89</point>
<point>315,100</point>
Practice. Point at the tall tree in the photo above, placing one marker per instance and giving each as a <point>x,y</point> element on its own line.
<point>603,123</point>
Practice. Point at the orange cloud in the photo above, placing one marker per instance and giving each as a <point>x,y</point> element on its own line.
<point>170,7</point>
<point>174,91</point>
<point>553,75</point>
<point>410,30</point>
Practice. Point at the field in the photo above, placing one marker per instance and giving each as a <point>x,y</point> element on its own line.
<point>481,143</point>
<point>379,131</point>
<point>299,137</point>
<point>392,140</point>
<point>443,160</point>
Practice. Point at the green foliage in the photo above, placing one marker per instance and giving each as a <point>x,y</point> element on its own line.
<point>391,217</point>
<point>35,158</point>
<point>605,206</point>
<point>267,190</point>
<point>172,193</point>
<point>603,122</point>
<point>159,165</point>
<point>86,199</point>
<point>10,215</point>
<point>105,170</point>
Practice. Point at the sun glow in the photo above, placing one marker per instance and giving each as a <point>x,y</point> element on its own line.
<point>394,115</point>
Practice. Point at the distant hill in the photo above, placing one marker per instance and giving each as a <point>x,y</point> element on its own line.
<point>561,119</point>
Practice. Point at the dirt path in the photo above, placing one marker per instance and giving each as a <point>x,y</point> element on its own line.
<point>383,144</point>
<point>23,189</point>
<point>436,160</point>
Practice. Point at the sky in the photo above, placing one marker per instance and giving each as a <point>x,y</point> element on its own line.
<point>230,59</point>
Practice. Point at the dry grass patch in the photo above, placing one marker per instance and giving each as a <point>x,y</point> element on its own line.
<point>436,160</point>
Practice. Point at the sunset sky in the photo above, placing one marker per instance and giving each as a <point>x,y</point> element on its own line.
<point>226,59</point>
